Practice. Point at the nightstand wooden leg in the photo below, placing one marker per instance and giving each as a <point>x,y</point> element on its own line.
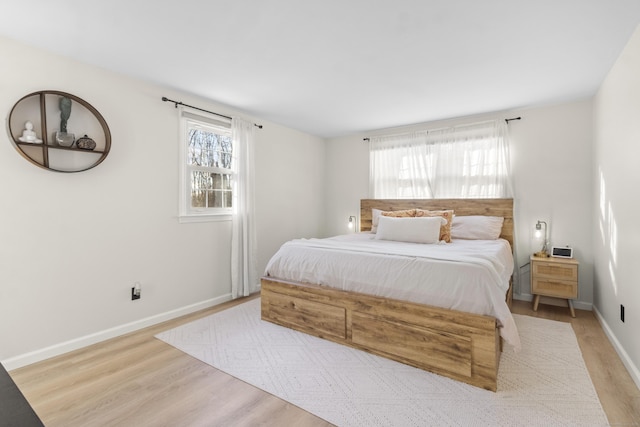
<point>536,300</point>
<point>573,312</point>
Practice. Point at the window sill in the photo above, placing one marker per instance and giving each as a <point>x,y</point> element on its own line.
<point>186,219</point>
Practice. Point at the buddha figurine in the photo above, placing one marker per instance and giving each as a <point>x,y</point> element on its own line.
<point>28,134</point>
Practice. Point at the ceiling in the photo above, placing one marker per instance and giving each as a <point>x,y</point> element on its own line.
<point>336,67</point>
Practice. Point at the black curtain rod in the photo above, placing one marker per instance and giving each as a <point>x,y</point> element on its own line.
<point>506,121</point>
<point>176,103</point>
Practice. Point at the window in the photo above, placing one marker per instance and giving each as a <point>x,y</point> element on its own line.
<point>470,161</point>
<point>207,167</point>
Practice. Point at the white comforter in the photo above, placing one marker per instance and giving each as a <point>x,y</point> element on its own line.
<point>465,275</point>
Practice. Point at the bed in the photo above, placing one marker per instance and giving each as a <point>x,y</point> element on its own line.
<point>458,341</point>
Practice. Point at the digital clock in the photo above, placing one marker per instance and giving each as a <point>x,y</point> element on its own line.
<point>562,252</point>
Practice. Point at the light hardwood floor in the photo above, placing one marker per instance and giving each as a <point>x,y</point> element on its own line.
<point>137,380</point>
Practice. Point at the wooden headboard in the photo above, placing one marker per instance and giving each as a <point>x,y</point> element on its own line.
<point>461,207</point>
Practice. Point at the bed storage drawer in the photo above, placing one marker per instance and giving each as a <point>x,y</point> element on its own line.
<point>458,345</point>
<point>448,352</point>
<point>315,318</point>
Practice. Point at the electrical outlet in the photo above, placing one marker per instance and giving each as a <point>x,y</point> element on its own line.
<point>135,291</point>
<point>622,313</point>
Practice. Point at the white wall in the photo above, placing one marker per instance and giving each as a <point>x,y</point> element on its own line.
<point>290,185</point>
<point>552,158</point>
<point>347,181</point>
<point>72,245</point>
<point>551,163</point>
<point>616,229</point>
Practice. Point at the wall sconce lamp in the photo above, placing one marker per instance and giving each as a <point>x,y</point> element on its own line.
<point>538,234</point>
<point>352,222</point>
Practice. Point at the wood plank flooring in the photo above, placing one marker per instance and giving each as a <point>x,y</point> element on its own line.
<point>137,380</point>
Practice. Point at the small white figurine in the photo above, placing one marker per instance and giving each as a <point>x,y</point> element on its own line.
<point>28,135</point>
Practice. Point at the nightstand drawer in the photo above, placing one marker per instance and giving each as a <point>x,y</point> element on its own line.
<point>555,288</point>
<point>555,270</point>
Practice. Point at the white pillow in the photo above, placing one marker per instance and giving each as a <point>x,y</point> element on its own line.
<point>476,227</point>
<point>413,230</point>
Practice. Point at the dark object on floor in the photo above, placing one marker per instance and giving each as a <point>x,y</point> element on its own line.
<point>14,408</point>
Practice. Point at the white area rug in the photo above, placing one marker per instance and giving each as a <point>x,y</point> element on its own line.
<point>546,384</point>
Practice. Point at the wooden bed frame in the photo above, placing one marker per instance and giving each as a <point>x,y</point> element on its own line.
<point>455,344</point>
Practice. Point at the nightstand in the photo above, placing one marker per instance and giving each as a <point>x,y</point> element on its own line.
<point>554,277</point>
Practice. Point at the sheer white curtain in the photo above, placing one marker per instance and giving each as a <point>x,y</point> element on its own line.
<point>244,278</point>
<point>470,161</point>
<point>398,167</point>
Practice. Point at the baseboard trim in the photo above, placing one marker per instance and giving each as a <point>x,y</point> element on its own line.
<point>626,360</point>
<point>77,343</point>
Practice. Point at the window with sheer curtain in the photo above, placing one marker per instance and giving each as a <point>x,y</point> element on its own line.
<point>207,165</point>
<point>468,161</point>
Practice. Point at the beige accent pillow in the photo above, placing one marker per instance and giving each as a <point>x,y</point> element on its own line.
<point>407,213</point>
<point>375,216</point>
<point>445,229</point>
